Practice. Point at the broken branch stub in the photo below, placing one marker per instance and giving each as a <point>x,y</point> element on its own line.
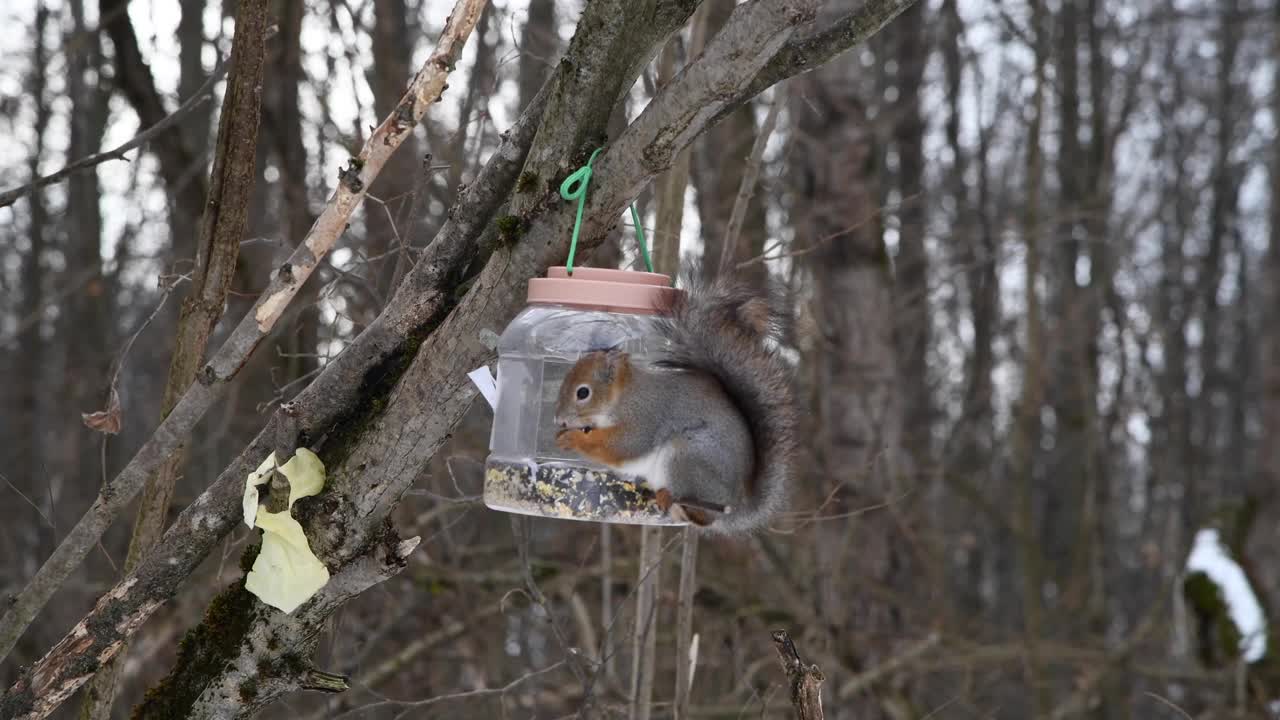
<point>805,680</point>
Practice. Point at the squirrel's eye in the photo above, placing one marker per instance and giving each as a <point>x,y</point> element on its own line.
<point>584,392</point>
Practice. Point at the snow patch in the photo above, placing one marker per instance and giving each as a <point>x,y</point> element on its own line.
<point>1209,556</point>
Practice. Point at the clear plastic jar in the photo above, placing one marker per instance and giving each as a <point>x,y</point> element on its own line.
<point>526,471</point>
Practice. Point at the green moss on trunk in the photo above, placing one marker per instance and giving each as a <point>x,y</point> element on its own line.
<point>1219,638</point>
<point>375,388</point>
<point>202,654</point>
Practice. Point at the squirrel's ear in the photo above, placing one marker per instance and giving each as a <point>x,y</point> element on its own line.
<point>616,365</point>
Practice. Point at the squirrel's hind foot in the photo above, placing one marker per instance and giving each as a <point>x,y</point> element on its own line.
<point>698,517</point>
<point>681,513</point>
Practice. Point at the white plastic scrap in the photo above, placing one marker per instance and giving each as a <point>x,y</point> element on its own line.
<point>1210,557</point>
<point>286,572</point>
<point>486,384</point>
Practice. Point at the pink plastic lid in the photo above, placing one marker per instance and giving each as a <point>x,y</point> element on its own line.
<point>609,290</point>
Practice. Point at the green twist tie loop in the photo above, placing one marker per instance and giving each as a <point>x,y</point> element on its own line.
<point>573,188</point>
<point>644,250</point>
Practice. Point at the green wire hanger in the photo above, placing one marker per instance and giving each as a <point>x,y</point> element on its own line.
<point>574,187</point>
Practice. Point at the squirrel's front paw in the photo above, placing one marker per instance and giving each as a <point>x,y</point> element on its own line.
<point>664,499</point>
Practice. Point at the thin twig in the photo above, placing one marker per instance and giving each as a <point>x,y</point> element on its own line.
<point>520,527</point>
<point>29,501</point>
<point>644,647</point>
<point>1168,702</point>
<point>684,622</point>
<point>606,596</point>
<point>817,244</point>
<point>9,197</point>
<point>866,679</point>
<point>124,352</point>
<point>77,282</point>
<point>482,692</point>
<point>750,174</point>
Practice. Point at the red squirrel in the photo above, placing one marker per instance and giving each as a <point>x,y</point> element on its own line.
<point>710,423</point>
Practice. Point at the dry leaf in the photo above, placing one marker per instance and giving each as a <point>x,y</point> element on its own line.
<point>105,421</point>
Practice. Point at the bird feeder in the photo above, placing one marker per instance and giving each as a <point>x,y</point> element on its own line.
<point>567,316</point>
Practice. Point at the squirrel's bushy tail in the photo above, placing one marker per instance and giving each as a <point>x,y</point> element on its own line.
<point>728,328</point>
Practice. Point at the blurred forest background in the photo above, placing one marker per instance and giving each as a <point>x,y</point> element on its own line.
<point>1033,254</point>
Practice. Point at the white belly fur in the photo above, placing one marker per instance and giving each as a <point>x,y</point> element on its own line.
<point>653,467</point>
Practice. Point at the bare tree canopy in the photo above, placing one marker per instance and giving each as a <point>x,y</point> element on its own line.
<point>1028,260</point>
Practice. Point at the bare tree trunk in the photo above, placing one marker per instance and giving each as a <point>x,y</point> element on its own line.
<point>222,229</point>
<point>192,75</point>
<point>389,76</point>
<point>177,157</point>
<point>1264,546</point>
<point>909,38</point>
<point>539,45</point>
<point>1172,476</point>
<point>718,165</point>
<point>1027,425</point>
<point>88,313</point>
<point>286,129</point>
<point>971,447</point>
<point>84,325</point>
<point>1208,417</point>
<point>1099,569</point>
<point>858,418</point>
<point>645,638</point>
<point>30,349</point>
<point>672,185</point>
<point>473,113</point>
<point>1068,393</point>
<point>1070,503</point>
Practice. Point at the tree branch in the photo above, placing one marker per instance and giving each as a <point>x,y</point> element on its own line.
<point>133,78</point>
<point>10,196</point>
<point>866,679</point>
<point>801,55</point>
<point>468,695</point>
<point>215,377</point>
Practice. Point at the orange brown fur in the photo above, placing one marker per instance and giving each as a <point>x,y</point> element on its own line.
<point>596,444</point>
